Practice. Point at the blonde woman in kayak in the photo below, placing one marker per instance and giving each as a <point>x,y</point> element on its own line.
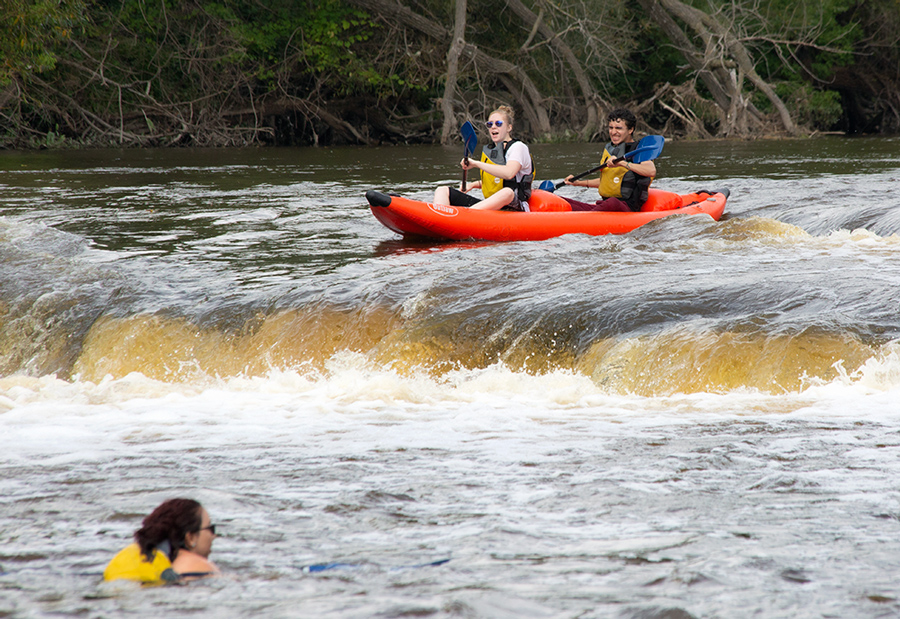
<point>173,545</point>
<point>506,167</point>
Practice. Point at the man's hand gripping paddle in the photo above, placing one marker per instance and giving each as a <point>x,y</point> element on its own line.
<point>650,147</point>
<point>470,138</point>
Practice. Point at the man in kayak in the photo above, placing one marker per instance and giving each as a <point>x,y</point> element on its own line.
<point>622,184</point>
<point>507,171</point>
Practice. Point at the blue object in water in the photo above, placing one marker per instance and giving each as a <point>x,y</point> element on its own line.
<point>323,567</point>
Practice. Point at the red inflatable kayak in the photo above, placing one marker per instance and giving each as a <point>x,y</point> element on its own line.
<point>550,216</point>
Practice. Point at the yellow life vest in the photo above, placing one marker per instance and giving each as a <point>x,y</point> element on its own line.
<point>130,564</point>
<point>620,182</point>
<point>490,184</point>
<point>611,178</point>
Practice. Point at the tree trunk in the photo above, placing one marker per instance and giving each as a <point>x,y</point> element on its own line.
<point>587,91</point>
<point>722,64</point>
<point>459,33</point>
<point>484,63</point>
<point>681,41</point>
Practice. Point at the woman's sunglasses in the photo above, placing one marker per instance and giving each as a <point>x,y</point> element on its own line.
<point>491,123</point>
<point>212,528</point>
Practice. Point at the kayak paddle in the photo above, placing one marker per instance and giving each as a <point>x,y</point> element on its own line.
<point>650,147</point>
<point>471,141</point>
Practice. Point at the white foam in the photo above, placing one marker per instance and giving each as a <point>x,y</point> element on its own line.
<point>48,416</point>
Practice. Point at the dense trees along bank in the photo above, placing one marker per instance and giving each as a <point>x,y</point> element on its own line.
<point>321,72</point>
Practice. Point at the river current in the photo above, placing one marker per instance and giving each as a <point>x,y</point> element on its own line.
<point>696,419</point>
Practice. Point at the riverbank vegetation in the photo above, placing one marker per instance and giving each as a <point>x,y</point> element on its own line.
<point>324,72</point>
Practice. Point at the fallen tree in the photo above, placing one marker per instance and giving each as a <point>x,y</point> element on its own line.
<point>210,73</point>
<point>723,63</point>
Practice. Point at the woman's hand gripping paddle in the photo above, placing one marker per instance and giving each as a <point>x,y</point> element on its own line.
<point>650,147</point>
<point>470,138</point>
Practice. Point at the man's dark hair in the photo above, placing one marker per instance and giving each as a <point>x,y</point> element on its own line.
<point>620,113</point>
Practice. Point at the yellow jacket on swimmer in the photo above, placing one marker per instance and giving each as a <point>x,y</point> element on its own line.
<point>130,564</point>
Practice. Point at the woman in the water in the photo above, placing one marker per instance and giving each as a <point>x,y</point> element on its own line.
<point>173,544</point>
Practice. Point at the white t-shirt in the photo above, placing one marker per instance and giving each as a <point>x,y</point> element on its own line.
<point>519,152</point>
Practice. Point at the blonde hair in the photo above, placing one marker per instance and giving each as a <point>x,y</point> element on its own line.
<point>507,112</point>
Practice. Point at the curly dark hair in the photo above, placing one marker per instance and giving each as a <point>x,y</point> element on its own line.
<point>620,113</point>
<point>169,522</point>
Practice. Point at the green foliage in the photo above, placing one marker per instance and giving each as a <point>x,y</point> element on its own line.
<point>173,68</point>
<point>802,38</point>
<point>794,44</point>
<point>652,62</point>
<point>322,40</point>
<point>815,108</point>
<point>185,50</point>
<point>53,139</point>
<point>144,39</point>
<point>819,109</point>
<point>30,30</point>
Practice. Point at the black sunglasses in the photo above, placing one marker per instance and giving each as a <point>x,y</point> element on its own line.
<point>212,529</point>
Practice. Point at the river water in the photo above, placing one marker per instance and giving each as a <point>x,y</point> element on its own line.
<point>698,419</point>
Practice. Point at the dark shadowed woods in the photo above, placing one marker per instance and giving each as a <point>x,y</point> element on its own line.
<point>137,73</point>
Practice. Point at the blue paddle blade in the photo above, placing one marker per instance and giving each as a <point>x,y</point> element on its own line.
<point>547,186</point>
<point>650,147</point>
<point>469,137</point>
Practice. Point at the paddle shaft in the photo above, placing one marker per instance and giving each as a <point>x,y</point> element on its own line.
<point>616,160</point>
<point>462,187</point>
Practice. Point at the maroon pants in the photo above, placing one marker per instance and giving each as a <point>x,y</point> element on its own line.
<point>609,204</point>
